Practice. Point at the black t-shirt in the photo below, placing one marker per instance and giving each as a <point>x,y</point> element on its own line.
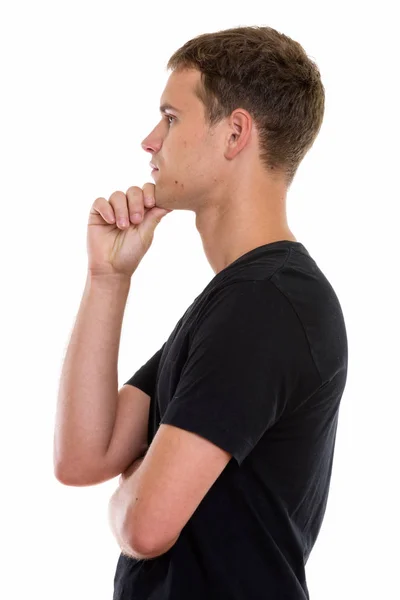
<point>257,365</point>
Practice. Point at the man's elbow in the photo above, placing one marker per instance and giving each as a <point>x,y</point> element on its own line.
<point>152,551</point>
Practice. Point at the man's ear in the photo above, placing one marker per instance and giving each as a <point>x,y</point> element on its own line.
<point>239,134</point>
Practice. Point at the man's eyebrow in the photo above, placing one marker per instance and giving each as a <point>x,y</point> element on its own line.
<point>167,106</point>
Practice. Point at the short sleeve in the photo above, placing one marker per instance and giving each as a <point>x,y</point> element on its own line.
<point>240,367</point>
<point>145,377</point>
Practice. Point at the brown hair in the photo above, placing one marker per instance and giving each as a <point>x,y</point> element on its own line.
<point>269,75</point>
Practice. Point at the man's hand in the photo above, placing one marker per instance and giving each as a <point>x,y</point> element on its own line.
<point>117,240</point>
<point>118,506</point>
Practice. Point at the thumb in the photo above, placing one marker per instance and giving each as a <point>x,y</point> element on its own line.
<point>153,217</point>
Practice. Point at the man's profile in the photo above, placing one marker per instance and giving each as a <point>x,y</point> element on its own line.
<point>230,426</point>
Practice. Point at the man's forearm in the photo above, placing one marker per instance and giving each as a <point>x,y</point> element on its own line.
<point>120,506</point>
<point>88,392</point>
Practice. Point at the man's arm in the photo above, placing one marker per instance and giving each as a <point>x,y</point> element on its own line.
<point>118,510</point>
<point>151,508</point>
<point>88,392</point>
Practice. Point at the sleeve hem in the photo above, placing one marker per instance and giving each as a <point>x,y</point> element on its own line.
<point>220,436</point>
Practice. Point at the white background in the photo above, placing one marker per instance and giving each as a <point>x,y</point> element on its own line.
<point>80,89</point>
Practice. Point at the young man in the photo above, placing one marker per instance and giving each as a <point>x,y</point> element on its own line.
<point>240,404</point>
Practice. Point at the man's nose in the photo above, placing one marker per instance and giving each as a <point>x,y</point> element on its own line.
<point>153,142</point>
<point>146,146</point>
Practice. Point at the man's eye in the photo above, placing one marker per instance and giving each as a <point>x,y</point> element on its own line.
<point>169,117</point>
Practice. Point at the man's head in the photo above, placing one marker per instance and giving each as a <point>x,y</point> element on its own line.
<point>250,104</point>
<point>182,145</point>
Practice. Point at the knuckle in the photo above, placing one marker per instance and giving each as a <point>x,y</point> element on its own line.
<point>134,189</point>
<point>118,200</point>
<point>149,194</point>
<point>133,215</point>
<point>117,195</point>
<point>135,203</point>
<point>149,188</point>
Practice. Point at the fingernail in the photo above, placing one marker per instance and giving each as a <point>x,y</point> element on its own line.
<point>149,201</point>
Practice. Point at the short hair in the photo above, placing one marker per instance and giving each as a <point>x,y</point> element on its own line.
<point>269,75</point>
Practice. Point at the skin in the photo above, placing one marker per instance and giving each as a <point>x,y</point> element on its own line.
<point>216,173</point>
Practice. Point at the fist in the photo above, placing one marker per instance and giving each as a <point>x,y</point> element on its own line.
<point>117,239</point>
